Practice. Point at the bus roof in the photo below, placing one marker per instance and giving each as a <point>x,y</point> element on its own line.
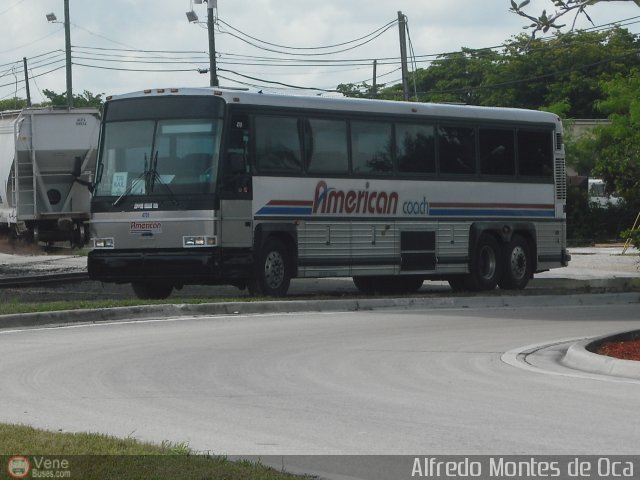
<point>315,102</point>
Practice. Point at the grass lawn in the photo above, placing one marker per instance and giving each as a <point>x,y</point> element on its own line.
<point>95,456</point>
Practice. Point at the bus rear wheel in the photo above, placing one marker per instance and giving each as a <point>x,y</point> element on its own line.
<point>152,290</point>
<point>518,266</point>
<point>486,266</point>
<point>273,274</point>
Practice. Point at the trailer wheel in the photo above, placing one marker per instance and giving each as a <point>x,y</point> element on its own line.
<point>486,264</point>
<point>518,267</point>
<point>273,274</point>
<point>152,290</point>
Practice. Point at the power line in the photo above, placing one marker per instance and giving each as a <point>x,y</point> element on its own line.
<point>158,70</point>
<point>278,83</point>
<point>248,42</point>
<point>384,27</point>
<point>35,76</point>
<point>33,42</point>
<point>12,6</point>
<point>93,57</point>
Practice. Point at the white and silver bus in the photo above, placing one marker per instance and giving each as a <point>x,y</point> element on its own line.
<point>219,186</point>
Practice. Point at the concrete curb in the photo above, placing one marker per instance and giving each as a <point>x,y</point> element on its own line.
<point>617,284</point>
<point>579,357</point>
<point>67,317</point>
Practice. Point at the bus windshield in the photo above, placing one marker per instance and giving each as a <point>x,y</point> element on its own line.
<point>159,157</point>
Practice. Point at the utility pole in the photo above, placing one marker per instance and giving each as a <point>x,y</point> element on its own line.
<point>67,41</point>
<point>402,24</point>
<point>374,88</point>
<point>26,81</point>
<point>213,73</point>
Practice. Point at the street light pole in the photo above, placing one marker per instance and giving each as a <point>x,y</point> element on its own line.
<point>67,41</point>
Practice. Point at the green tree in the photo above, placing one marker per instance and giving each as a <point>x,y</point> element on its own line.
<point>363,90</point>
<point>617,146</point>
<point>550,20</point>
<point>86,99</point>
<point>12,104</point>
<point>458,77</point>
<point>563,74</point>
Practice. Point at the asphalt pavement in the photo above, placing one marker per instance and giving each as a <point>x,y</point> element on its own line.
<point>596,275</point>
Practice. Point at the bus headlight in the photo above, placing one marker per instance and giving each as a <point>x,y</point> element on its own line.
<point>199,241</point>
<point>103,243</point>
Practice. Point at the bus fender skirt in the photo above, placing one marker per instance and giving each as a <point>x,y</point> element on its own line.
<point>286,231</point>
<point>503,230</point>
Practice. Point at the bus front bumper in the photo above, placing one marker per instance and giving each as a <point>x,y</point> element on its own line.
<point>180,267</point>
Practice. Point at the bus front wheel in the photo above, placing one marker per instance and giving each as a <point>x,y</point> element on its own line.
<point>518,267</point>
<point>273,273</point>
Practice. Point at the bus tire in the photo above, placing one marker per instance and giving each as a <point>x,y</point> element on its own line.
<point>518,265</point>
<point>365,285</point>
<point>152,290</point>
<point>273,273</point>
<point>486,264</point>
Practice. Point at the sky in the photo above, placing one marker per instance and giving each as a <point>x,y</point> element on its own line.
<point>120,46</point>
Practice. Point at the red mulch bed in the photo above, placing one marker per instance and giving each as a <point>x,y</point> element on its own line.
<point>626,349</point>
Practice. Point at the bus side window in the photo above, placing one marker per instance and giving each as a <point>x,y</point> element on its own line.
<point>457,150</point>
<point>327,146</point>
<point>371,147</point>
<point>278,145</point>
<point>415,148</point>
<point>497,151</point>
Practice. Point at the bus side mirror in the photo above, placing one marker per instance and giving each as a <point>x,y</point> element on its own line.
<point>77,173</point>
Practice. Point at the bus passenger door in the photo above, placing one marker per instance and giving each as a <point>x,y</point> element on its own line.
<point>235,187</point>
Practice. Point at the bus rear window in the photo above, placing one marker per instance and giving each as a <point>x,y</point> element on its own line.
<point>535,153</point>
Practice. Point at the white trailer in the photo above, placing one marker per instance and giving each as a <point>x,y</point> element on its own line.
<point>47,159</point>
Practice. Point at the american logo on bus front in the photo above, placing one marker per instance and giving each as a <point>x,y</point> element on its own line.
<point>145,227</point>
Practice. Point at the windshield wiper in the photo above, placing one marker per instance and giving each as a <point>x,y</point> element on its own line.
<point>127,192</point>
<point>154,176</point>
<point>150,176</point>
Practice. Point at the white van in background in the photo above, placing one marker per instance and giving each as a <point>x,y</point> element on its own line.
<point>598,194</point>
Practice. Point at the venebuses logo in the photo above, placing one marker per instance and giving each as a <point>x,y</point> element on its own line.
<point>331,200</point>
<point>18,467</point>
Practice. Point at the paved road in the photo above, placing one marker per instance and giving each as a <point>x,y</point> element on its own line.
<point>380,382</point>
